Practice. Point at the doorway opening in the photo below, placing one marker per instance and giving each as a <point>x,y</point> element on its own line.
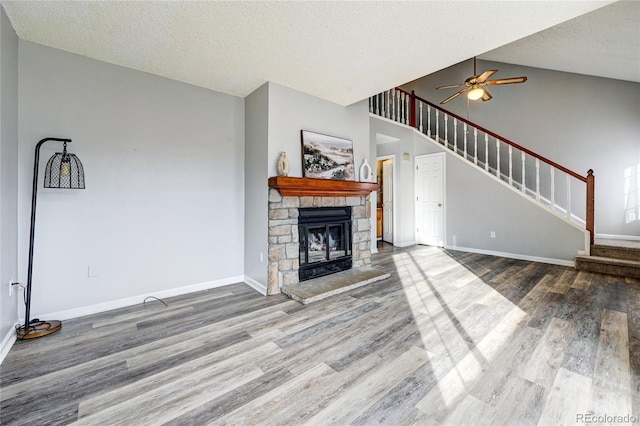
<point>385,220</point>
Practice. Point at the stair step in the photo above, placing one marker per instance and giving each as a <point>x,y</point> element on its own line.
<point>608,265</point>
<point>618,252</point>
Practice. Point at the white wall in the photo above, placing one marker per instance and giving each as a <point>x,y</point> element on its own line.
<point>164,164</point>
<point>578,121</point>
<point>256,190</point>
<point>8,180</point>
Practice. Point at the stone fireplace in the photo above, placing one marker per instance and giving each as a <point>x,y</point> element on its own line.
<point>295,200</point>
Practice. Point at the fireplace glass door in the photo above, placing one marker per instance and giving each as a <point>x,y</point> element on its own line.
<point>325,241</point>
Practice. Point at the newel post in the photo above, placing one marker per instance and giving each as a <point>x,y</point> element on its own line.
<point>591,184</point>
<point>412,109</point>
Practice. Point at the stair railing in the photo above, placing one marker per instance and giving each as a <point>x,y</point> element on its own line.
<point>548,182</point>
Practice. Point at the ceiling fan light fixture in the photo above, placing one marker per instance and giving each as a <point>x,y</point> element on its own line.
<point>476,93</point>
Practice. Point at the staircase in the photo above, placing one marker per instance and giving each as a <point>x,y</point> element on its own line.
<point>613,257</point>
<point>564,192</point>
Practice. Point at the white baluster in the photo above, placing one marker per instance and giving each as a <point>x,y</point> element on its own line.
<point>464,138</point>
<point>475,145</point>
<point>486,152</point>
<point>400,106</point>
<point>437,126</point>
<point>537,179</point>
<point>552,171</point>
<point>446,130</point>
<point>378,104</point>
<point>569,197</point>
<point>524,186</point>
<point>370,104</point>
<point>498,158</point>
<point>393,104</point>
<point>420,104</point>
<point>510,165</point>
<point>388,115</point>
<point>455,135</point>
<point>429,120</point>
<point>407,109</point>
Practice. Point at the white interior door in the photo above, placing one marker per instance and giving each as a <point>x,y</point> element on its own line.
<point>430,199</point>
<point>387,201</point>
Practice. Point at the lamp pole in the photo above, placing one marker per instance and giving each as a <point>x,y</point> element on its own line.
<point>34,193</point>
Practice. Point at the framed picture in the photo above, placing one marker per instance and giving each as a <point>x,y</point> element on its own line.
<point>326,157</point>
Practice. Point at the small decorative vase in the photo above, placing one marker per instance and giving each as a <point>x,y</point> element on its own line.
<point>283,164</point>
<point>365,171</point>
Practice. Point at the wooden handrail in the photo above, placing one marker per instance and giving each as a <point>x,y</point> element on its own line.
<point>503,139</point>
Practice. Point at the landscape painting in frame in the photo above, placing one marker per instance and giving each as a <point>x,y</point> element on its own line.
<point>326,157</point>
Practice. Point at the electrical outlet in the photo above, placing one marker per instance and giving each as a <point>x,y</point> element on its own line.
<point>631,216</point>
<point>493,234</point>
<point>261,257</point>
<point>92,271</point>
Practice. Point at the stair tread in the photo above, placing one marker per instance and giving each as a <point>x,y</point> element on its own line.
<point>609,260</point>
<point>609,247</point>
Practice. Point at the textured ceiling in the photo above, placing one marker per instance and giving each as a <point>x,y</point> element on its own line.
<point>339,51</point>
<point>603,43</point>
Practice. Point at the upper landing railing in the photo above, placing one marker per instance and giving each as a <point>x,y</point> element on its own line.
<point>548,182</point>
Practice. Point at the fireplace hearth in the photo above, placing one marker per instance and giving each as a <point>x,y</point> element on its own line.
<point>325,241</point>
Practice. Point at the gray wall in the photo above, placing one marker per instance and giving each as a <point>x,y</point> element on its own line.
<point>289,111</point>
<point>578,121</point>
<point>8,175</point>
<point>164,164</point>
<point>256,107</point>
<point>476,205</point>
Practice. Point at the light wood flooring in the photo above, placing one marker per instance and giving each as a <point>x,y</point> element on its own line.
<point>449,338</point>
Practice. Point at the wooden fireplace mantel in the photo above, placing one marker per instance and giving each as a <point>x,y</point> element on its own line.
<point>308,187</point>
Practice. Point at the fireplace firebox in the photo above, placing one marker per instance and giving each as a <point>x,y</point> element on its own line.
<point>325,241</point>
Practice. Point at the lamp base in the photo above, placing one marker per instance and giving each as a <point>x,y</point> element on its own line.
<point>38,329</point>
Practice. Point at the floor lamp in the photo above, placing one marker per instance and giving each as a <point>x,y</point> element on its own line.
<point>63,171</point>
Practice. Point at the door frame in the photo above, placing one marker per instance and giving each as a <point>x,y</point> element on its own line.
<point>444,194</point>
<point>394,202</point>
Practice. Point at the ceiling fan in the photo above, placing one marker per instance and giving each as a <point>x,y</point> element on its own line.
<point>474,85</point>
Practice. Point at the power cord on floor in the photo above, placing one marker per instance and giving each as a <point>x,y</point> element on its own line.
<point>158,299</point>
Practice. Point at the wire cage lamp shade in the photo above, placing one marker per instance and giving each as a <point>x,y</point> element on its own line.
<point>64,171</point>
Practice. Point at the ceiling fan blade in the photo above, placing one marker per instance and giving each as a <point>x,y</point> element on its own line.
<point>487,96</point>
<point>451,86</point>
<point>485,75</point>
<point>455,95</point>
<point>511,80</point>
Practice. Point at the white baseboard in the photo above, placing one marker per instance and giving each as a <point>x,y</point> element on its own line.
<point>551,261</point>
<point>619,237</point>
<point>121,303</point>
<point>259,287</point>
<point>405,244</point>
<point>7,343</point>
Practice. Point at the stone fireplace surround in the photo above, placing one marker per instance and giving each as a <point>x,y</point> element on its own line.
<point>284,249</point>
